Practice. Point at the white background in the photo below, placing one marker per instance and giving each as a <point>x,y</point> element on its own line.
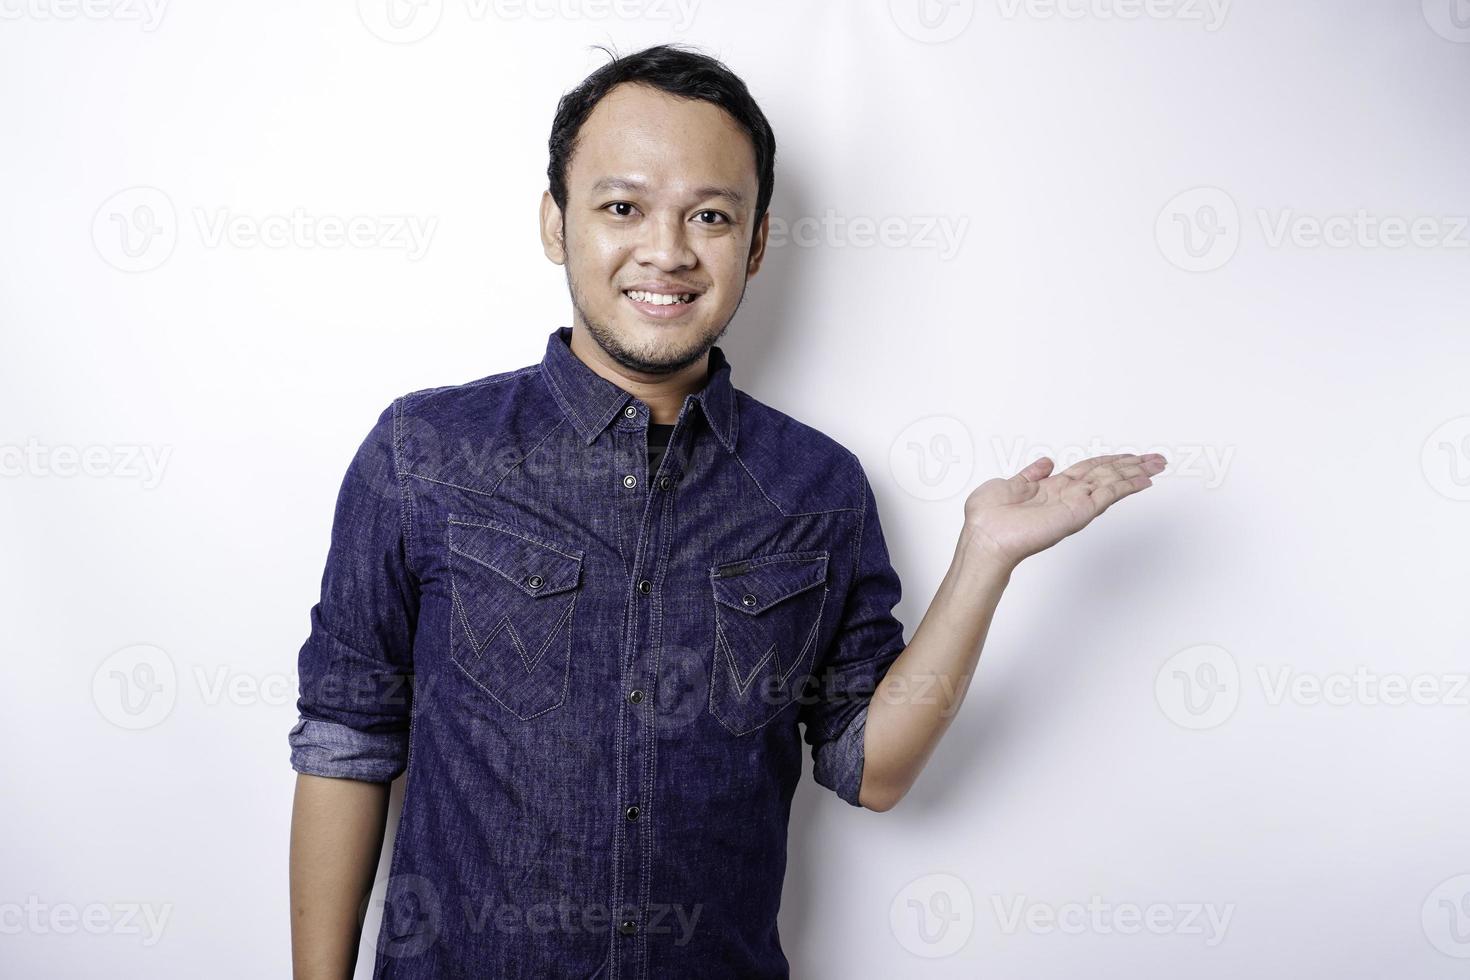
<point>1311,397</point>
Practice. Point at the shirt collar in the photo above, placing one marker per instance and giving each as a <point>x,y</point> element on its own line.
<point>591,401</point>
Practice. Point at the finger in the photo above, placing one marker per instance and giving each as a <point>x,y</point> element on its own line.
<point>1152,462</point>
<point>1036,470</point>
<point>1148,467</point>
<point>1113,472</point>
<point>1076,470</point>
<point>1107,494</point>
<point>1124,467</point>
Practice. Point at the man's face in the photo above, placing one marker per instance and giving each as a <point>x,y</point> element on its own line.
<point>660,195</point>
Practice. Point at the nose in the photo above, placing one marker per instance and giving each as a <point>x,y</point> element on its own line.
<point>665,244</point>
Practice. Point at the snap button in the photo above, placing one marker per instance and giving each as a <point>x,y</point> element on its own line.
<point>630,412</point>
<point>630,481</point>
<point>632,813</point>
<point>635,696</point>
<point>748,599</point>
<point>646,587</point>
<point>664,483</point>
<point>627,927</point>
<point>534,581</point>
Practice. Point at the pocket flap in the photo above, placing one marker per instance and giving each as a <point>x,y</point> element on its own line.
<point>537,567</point>
<point>754,585</point>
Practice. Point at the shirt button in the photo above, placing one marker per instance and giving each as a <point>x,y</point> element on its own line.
<point>664,483</point>
<point>534,581</point>
<point>635,696</point>
<point>627,927</point>
<point>632,812</point>
<point>630,412</point>
<point>748,599</point>
<point>630,481</point>
<point>645,586</point>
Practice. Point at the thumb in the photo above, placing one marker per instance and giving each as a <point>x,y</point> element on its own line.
<point>1036,470</point>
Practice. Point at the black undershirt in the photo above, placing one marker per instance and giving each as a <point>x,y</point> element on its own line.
<point>658,441</point>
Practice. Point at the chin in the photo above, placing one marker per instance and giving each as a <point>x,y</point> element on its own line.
<point>668,345</point>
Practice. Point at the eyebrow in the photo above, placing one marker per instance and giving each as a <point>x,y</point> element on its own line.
<point>625,184</point>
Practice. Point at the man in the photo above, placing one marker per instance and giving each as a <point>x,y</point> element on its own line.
<point>618,584</point>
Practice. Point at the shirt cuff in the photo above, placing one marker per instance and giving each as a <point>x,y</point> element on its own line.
<point>324,748</point>
<point>839,763</point>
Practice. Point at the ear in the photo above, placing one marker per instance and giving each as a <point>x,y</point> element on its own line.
<point>758,245</point>
<point>553,230</point>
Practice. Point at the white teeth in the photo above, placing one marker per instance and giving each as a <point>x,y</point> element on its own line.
<point>659,299</point>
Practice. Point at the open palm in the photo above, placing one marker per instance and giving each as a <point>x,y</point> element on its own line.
<point>1014,518</point>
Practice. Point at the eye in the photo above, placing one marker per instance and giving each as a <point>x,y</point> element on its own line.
<point>718,214</point>
<point>618,204</point>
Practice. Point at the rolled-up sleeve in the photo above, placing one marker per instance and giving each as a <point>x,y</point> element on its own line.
<point>356,666</point>
<point>869,638</point>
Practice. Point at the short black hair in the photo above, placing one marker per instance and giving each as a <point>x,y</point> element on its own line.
<point>679,71</point>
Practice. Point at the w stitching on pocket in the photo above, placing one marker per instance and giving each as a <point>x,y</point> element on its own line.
<point>785,676</point>
<point>509,627</point>
<point>760,607</point>
<point>514,596</point>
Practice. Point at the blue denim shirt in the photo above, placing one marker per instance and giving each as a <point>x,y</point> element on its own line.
<point>591,673</point>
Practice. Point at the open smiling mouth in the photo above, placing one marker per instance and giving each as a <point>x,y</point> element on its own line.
<point>661,306</point>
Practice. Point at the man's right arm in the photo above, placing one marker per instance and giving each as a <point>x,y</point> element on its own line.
<point>336,837</point>
<point>351,739</point>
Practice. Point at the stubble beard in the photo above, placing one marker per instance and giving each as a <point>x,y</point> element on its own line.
<point>644,361</point>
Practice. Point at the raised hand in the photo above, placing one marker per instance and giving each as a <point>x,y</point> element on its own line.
<point>1011,519</point>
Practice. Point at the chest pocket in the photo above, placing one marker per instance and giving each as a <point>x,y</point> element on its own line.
<point>514,595</point>
<point>768,615</point>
